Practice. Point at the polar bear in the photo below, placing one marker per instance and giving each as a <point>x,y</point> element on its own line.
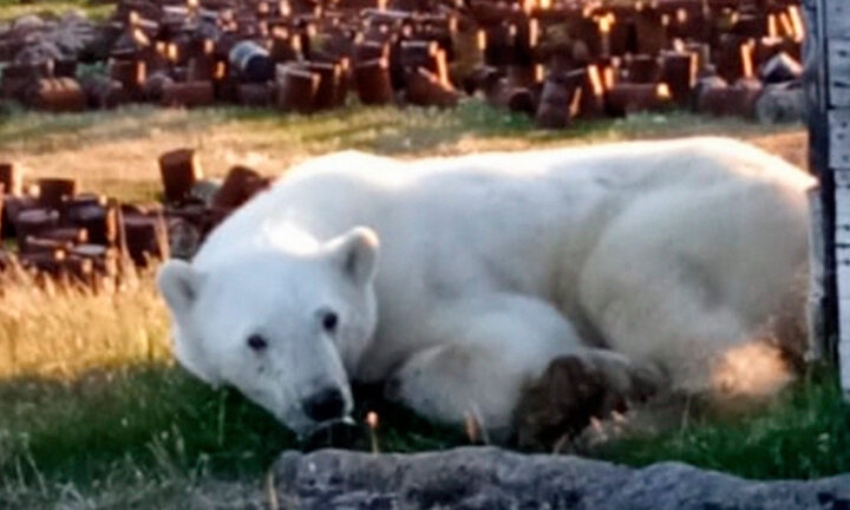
<point>456,281</point>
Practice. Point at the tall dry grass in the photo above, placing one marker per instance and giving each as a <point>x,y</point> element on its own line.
<point>55,329</point>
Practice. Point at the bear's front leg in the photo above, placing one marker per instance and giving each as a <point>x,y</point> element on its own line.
<point>481,354</point>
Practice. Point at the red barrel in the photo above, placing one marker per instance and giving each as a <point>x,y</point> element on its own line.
<point>53,191</point>
<point>11,177</point>
<point>92,213</point>
<point>372,79</point>
<point>297,89</point>
<point>188,94</point>
<point>145,238</point>
<point>180,170</point>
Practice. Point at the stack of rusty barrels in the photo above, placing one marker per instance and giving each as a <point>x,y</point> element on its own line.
<point>559,64</point>
<point>555,60</point>
<point>194,204</point>
<point>73,236</point>
<point>53,229</point>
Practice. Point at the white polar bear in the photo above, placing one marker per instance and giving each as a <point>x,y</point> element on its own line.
<point>657,254</point>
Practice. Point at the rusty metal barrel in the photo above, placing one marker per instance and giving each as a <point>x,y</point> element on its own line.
<point>180,170</point>
<point>297,89</point>
<point>372,79</point>
<point>32,222</point>
<point>53,191</point>
<point>145,237</point>
<point>94,214</point>
<point>11,177</point>
<point>252,62</point>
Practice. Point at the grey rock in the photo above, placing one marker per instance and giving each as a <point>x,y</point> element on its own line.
<point>494,479</point>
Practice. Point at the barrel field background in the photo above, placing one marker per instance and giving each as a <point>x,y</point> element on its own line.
<point>93,411</point>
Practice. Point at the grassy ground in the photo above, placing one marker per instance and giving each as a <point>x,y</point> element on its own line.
<point>11,9</point>
<point>115,152</point>
<point>93,412</point>
<point>803,434</point>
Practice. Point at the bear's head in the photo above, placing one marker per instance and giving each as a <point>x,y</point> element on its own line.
<point>285,328</point>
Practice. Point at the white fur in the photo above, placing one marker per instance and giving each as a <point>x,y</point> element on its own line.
<point>489,266</point>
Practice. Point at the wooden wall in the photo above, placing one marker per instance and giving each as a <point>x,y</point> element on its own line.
<point>827,61</point>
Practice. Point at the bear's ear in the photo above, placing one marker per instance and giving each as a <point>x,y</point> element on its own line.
<point>178,284</point>
<point>356,254</point>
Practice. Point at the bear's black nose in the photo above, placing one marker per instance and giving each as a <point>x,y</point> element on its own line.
<point>327,404</point>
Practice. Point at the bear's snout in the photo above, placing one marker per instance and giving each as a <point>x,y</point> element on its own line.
<point>325,405</point>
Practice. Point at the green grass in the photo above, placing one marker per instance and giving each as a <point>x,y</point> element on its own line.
<point>804,434</point>
<point>93,409</point>
<point>11,9</point>
<point>387,130</point>
<point>152,424</point>
<point>145,416</point>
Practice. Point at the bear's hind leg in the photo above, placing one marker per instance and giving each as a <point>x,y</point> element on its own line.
<point>576,389</point>
<point>481,352</point>
<point>485,355</point>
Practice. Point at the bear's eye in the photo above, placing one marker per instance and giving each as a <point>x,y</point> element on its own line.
<point>257,342</point>
<point>330,321</point>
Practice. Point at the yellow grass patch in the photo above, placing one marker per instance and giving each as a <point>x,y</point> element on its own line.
<point>62,330</point>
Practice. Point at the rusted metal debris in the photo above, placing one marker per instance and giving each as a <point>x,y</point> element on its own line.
<point>555,60</point>
<point>53,229</point>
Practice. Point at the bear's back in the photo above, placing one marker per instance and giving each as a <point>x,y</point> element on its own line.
<point>461,195</point>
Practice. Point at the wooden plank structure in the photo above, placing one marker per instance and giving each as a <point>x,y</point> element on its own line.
<point>826,55</point>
